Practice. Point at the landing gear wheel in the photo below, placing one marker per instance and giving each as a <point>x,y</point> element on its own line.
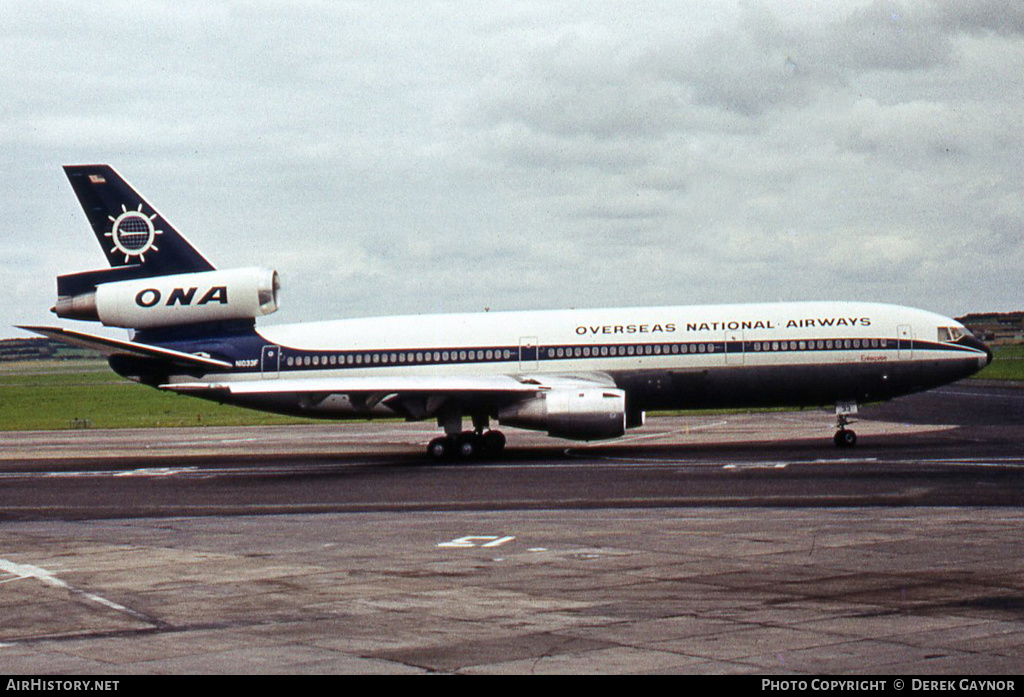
<point>845,438</point>
<point>467,444</point>
<point>493,443</point>
<point>440,448</point>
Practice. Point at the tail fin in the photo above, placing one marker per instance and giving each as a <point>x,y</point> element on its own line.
<point>130,231</point>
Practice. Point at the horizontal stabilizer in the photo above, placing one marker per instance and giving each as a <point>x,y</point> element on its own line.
<point>112,347</point>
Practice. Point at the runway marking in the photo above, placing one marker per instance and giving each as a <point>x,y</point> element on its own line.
<point>79,474</point>
<point>985,395</point>
<point>757,465</point>
<point>471,541</point>
<point>23,571</point>
<point>156,472</point>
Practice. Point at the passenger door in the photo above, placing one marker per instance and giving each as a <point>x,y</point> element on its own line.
<point>529,353</point>
<point>904,342</point>
<point>734,354</point>
<point>270,361</point>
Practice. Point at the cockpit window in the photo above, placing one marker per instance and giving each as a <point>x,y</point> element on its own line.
<point>949,334</point>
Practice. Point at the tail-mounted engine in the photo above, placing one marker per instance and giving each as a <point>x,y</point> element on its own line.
<point>164,301</point>
<point>583,414</point>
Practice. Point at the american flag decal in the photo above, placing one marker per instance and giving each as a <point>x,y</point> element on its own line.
<point>97,179</point>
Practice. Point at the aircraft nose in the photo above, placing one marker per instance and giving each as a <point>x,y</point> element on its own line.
<point>975,343</point>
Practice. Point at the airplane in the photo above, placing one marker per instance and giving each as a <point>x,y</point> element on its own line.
<point>581,374</point>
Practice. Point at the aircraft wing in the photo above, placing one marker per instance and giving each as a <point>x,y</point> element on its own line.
<point>415,397</point>
<point>398,384</point>
<point>351,385</point>
<point>112,347</point>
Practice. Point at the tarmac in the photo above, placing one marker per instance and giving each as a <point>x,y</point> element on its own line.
<point>706,545</point>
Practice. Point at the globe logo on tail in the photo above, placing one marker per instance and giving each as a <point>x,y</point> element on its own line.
<point>133,234</point>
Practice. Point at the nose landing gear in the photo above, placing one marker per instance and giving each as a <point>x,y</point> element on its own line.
<point>845,437</point>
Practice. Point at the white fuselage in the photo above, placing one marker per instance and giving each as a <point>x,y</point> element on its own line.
<point>671,357</point>
<point>610,340</point>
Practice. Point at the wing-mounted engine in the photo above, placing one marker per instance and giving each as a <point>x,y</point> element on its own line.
<point>576,414</point>
<point>179,299</point>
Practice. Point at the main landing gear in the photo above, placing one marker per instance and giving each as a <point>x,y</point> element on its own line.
<point>467,444</point>
<point>456,443</point>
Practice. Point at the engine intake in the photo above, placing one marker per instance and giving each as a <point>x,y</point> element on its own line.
<point>583,414</point>
<point>163,301</point>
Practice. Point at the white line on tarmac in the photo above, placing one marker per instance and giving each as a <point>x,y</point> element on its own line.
<point>22,571</point>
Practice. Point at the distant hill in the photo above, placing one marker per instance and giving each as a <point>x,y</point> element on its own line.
<point>42,349</point>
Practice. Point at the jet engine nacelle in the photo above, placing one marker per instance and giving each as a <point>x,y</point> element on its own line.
<point>581,414</point>
<point>163,301</point>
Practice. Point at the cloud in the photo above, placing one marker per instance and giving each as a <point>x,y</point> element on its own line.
<point>417,157</point>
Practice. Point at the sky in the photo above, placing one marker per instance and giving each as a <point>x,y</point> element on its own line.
<point>421,157</point>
